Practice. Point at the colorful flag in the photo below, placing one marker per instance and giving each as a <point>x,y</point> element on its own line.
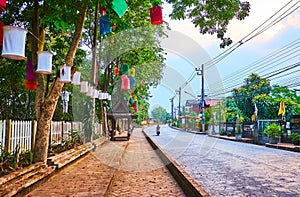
<point>281,109</point>
<point>255,109</point>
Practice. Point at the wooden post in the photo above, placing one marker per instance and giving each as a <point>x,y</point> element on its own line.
<point>8,135</point>
<point>33,134</point>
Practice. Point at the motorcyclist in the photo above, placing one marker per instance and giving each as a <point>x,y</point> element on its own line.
<point>158,129</point>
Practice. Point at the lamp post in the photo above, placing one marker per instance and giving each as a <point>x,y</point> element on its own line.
<point>200,71</point>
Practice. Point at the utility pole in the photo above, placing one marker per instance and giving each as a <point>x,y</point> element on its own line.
<point>200,71</point>
<point>172,106</point>
<point>179,93</point>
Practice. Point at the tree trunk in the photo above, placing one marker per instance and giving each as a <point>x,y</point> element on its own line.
<point>45,108</point>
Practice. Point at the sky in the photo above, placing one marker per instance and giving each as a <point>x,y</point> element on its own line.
<point>197,49</point>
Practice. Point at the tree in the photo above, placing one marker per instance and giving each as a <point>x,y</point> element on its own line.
<point>159,113</point>
<point>268,104</point>
<point>211,16</point>
<point>253,86</point>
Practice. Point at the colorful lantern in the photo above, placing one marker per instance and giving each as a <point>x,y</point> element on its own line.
<point>132,81</point>
<point>114,25</point>
<point>44,62</point>
<point>84,87</point>
<point>125,83</point>
<point>131,101</point>
<point>1,33</point>
<point>116,71</point>
<point>65,74</point>
<point>14,42</point>
<point>124,69</point>
<point>2,5</point>
<point>156,15</point>
<point>134,97</point>
<point>30,83</point>
<point>136,109</point>
<point>120,7</point>
<point>76,78</point>
<point>131,72</point>
<point>104,24</point>
<point>102,11</point>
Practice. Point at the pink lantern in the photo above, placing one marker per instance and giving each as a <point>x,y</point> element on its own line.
<point>1,33</point>
<point>2,5</point>
<point>125,83</point>
<point>156,15</point>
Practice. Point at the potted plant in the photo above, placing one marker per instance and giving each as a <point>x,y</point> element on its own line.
<point>273,131</point>
<point>295,137</point>
<point>239,128</point>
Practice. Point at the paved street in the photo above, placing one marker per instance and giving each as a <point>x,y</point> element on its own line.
<point>226,168</point>
<point>120,168</point>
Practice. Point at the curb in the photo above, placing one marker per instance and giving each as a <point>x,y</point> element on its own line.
<point>186,182</point>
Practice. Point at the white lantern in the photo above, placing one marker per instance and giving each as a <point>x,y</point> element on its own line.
<point>84,87</point>
<point>76,78</point>
<point>95,93</point>
<point>109,97</point>
<point>90,91</point>
<point>14,40</point>
<point>65,74</point>
<point>44,62</point>
<point>101,96</point>
<point>105,95</point>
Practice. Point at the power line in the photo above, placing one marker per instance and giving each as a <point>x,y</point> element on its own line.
<point>224,54</point>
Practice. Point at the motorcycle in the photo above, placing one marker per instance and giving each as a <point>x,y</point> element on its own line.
<point>157,130</point>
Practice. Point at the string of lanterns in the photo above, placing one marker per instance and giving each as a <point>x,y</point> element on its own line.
<point>13,40</point>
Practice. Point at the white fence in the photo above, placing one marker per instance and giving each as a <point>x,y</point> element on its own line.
<point>2,132</point>
<point>19,133</point>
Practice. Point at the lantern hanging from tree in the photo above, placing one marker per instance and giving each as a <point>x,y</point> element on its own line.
<point>124,69</point>
<point>125,83</point>
<point>84,87</point>
<point>131,72</point>
<point>76,78</point>
<point>44,62</point>
<point>156,15</point>
<point>30,83</point>
<point>132,81</point>
<point>14,42</point>
<point>120,7</point>
<point>65,74</point>
<point>102,11</point>
<point>116,71</point>
<point>2,5</point>
<point>1,33</point>
<point>104,24</point>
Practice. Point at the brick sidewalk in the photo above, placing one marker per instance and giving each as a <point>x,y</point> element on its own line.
<point>120,168</point>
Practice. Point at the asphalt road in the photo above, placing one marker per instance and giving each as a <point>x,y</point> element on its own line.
<point>227,168</point>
